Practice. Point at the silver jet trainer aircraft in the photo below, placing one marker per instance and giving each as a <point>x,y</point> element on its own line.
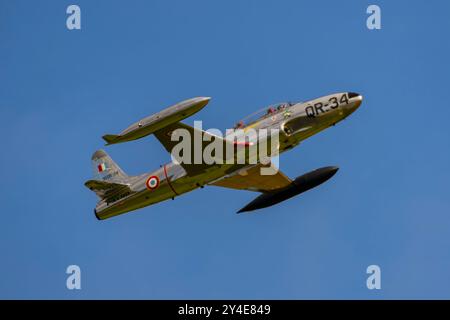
<point>120,193</point>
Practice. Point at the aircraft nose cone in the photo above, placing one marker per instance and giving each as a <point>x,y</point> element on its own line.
<point>355,101</point>
<point>358,101</point>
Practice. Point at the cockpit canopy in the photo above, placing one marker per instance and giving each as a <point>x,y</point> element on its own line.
<point>263,113</point>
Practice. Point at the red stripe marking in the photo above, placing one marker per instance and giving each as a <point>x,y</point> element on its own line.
<point>168,180</point>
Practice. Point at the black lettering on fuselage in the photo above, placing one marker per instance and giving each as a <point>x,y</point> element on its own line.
<point>319,108</point>
<point>310,111</point>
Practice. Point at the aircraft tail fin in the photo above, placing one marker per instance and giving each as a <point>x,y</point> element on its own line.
<point>110,138</point>
<point>105,169</point>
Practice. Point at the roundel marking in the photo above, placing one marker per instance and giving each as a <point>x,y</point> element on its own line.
<point>152,182</point>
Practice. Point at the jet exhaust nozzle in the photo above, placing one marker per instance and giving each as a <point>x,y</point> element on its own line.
<point>299,185</point>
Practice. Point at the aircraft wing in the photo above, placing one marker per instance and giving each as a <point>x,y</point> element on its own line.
<point>164,136</point>
<point>252,179</point>
<point>109,191</point>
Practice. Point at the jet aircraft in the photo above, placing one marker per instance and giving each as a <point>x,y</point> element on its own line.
<point>119,193</point>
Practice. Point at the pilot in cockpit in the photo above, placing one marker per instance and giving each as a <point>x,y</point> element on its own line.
<point>239,125</point>
<point>281,106</point>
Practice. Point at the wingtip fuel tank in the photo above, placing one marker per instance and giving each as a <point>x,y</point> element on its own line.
<point>157,121</point>
<point>299,185</point>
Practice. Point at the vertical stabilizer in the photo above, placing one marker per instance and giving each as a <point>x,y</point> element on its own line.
<point>105,169</point>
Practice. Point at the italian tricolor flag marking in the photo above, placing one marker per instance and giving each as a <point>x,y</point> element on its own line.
<point>101,167</point>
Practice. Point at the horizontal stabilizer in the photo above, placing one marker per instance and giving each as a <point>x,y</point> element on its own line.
<point>109,191</point>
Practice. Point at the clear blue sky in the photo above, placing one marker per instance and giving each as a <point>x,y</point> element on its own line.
<point>61,90</point>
